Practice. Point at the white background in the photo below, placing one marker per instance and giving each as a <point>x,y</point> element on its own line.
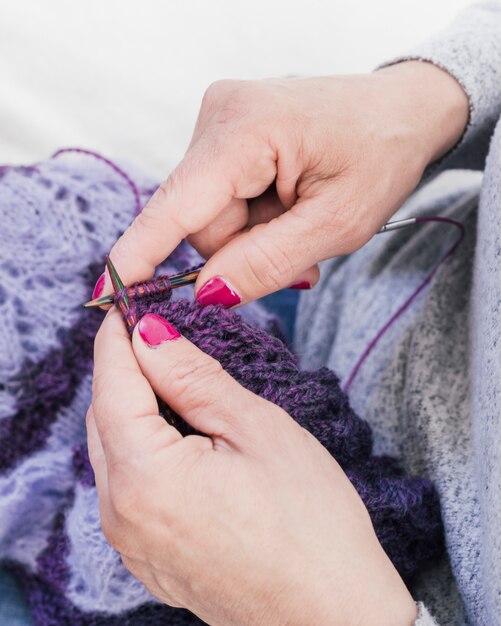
<point>126,77</point>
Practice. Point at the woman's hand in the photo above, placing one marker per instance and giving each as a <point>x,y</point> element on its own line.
<point>281,174</point>
<point>255,524</point>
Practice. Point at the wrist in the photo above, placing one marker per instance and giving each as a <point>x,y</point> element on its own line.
<point>432,101</point>
<point>373,594</point>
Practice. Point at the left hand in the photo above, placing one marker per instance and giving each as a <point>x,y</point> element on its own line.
<point>254,524</point>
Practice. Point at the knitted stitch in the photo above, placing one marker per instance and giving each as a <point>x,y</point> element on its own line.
<point>404,510</point>
<point>65,219</point>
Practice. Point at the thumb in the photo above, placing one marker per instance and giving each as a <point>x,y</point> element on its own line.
<point>195,385</point>
<point>266,258</point>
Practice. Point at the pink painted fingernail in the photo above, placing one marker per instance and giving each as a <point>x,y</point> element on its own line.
<point>98,287</point>
<point>155,330</point>
<point>217,291</point>
<point>302,284</point>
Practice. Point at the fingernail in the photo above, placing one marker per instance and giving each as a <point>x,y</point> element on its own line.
<point>155,330</point>
<point>98,287</point>
<point>216,291</point>
<point>302,284</point>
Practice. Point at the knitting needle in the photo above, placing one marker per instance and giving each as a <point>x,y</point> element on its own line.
<point>124,303</point>
<point>131,320</point>
<point>397,224</point>
<point>187,278</point>
<point>172,282</point>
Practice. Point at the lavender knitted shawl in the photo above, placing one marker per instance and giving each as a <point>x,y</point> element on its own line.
<point>58,220</point>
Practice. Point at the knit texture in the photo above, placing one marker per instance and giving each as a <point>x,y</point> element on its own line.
<point>430,390</point>
<point>60,218</point>
<point>404,510</point>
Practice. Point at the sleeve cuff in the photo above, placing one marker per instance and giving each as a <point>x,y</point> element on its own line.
<point>424,618</point>
<point>470,51</point>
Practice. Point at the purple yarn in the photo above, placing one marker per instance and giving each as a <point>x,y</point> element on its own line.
<point>43,456</point>
<point>44,387</point>
<point>50,608</point>
<point>116,168</point>
<point>51,562</point>
<point>407,303</point>
<point>405,510</point>
<point>82,467</point>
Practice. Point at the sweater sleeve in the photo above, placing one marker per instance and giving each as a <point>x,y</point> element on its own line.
<point>469,50</point>
<point>424,618</point>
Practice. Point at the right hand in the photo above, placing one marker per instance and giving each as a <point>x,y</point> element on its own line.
<point>281,174</point>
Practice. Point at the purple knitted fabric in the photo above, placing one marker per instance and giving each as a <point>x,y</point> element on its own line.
<point>63,218</point>
<point>404,510</point>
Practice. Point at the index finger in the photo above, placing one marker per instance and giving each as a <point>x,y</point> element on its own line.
<point>124,404</point>
<point>214,171</point>
<point>191,197</point>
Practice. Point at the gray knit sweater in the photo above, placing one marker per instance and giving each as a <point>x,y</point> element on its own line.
<point>431,389</point>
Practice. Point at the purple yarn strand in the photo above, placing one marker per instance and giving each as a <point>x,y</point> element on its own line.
<point>401,310</point>
<point>133,187</point>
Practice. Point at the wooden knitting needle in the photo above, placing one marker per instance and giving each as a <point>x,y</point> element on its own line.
<point>172,282</point>
<point>131,320</point>
<point>188,278</point>
<point>124,303</point>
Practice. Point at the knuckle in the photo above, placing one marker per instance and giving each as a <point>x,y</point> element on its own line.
<point>205,243</point>
<point>109,530</point>
<point>113,532</point>
<point>140,570</point>
<point>101,380</point>
<point>147,221</point>
<point>194,374</point>
<point>151,222</point>
<point>89,417</point>
<point>351,224</point>
<point>270,266</point>
<point>99,340</point>
<point>228,100</point>
<point>171,188</point>
<point>219,90</point>
<point>216,90</point>
<point>131,243</point>
<point>165,189</point>
<point>163,208</point>
<point>353,235</point>
<point>150,217</point>
<point>115,537</point>
<point>104,400</point>
<point>131,565</point>
<point>146,224</point>
<point>125,497</point>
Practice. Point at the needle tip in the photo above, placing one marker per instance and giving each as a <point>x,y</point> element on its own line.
<point>102,301</point>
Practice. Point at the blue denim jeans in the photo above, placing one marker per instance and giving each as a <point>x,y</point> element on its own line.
<point>284,304</point>
<point>13,609</point>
